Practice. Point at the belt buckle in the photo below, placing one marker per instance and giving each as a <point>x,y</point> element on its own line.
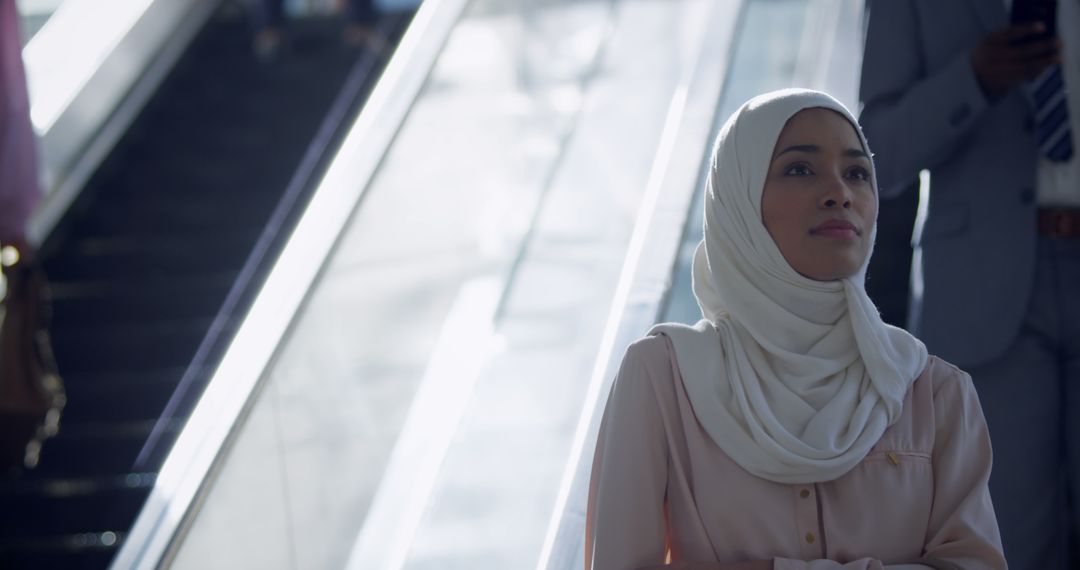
<point>1060,222</point>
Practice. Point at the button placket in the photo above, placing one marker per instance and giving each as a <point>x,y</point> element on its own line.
<point>806,520</point>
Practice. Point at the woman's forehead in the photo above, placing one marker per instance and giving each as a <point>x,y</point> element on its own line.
<point>820,123</point>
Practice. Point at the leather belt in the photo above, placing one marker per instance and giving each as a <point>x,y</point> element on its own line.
<point>1059,222</point>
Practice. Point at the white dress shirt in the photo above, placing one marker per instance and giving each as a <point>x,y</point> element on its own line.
<point>1058,183</point>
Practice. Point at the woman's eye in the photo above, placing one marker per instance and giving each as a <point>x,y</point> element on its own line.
<point>797,170</point>
<point>859,173</point>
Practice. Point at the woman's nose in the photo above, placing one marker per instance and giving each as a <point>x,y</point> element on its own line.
<point>836,195</point>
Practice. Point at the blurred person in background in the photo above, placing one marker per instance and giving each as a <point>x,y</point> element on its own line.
<point>361,19</point>
<point>19,189</point>
<point>976,92</point>
<point>31,391</point>
<point>790,429</point>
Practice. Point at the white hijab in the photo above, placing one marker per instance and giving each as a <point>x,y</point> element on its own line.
<point>794,379</point>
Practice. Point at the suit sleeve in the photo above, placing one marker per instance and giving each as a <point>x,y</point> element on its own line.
<point>914,118</point>
<point>625,525</point>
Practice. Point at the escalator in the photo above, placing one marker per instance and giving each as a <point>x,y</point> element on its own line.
<point>158,259</point>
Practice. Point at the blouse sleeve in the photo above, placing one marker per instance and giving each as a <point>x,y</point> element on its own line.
<point>625,525</point>
<point>963,530</point>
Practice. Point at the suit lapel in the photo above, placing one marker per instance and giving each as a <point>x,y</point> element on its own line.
<point>991,13</point>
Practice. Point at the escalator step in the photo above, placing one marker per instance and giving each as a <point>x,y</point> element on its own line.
<point>102,451</point>
<point>153,256</point>
<point>196,218</point>
<point>118,348</point>
<point>117,399</point>
<point>57,554</point>
<point>94,302</point>
<point>33,516</point>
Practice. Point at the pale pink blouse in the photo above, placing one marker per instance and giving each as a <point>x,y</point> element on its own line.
<point>661,485</point>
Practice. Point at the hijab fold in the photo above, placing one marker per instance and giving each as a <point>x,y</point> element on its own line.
<point>794,379</point>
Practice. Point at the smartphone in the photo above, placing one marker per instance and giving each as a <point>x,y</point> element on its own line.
<point>1030,11</point>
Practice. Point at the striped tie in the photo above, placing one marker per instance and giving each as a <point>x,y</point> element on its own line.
<point>1052,115</point>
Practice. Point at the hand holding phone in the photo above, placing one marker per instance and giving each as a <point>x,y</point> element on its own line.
<point>1011,56</point>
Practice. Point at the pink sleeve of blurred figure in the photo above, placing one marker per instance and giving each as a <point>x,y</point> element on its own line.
<point>19,190</point>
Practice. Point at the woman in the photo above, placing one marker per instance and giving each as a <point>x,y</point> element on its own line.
<point>791,428</point>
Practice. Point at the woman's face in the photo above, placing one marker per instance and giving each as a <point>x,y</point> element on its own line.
<point>819,203</point>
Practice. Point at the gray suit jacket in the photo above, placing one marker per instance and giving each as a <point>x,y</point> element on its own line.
<point>923,109</point>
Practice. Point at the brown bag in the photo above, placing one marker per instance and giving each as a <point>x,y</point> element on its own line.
<point>31,392</point>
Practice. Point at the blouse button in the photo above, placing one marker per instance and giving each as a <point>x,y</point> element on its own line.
<point>804,493</point>
<point>810,538</point>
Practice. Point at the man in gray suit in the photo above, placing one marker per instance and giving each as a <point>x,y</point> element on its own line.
<point>952,87</point>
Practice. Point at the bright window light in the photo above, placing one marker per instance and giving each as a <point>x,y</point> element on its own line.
<point>73,43</point>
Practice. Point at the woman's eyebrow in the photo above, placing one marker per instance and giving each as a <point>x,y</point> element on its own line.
<point>800,148</point>
<point>813,148</point>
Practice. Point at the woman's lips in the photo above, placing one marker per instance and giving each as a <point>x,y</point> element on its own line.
<point>837,229</point>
